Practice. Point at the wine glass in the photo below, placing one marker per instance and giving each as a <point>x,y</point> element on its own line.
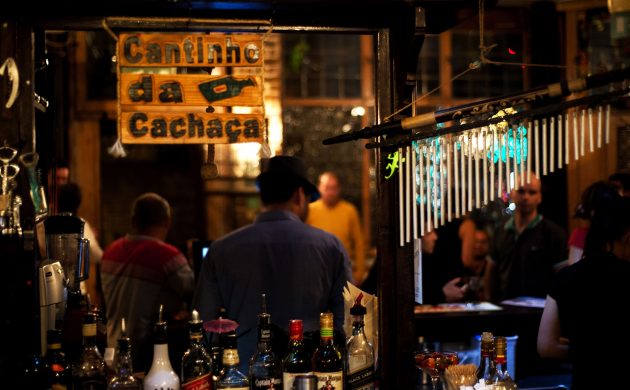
<point>434,363</point>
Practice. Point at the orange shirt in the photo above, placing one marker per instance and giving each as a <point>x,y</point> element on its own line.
<point>342,220</point>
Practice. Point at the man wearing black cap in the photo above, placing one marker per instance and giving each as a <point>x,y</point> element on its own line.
<point>301,269</point>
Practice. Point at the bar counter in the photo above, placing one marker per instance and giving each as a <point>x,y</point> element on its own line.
<point>459,324</point>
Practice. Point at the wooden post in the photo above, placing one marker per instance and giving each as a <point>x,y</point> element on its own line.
<point>395,265</point>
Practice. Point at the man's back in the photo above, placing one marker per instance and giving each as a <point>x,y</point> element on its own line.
<point>301,269</point>
<point>138,274</point>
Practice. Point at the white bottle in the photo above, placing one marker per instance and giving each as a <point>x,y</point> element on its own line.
<point>161,375</point>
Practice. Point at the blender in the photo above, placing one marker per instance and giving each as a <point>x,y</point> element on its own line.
<point>60,274</point>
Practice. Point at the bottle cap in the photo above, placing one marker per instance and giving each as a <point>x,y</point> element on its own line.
<point>160,330</point>
<point>124,342</point>
<point>358,309</point>
<point>296,328</point>
<point>500,345</point>
<point>228,340</point>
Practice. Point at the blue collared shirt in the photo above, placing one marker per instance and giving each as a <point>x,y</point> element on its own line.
<point>302,270</point>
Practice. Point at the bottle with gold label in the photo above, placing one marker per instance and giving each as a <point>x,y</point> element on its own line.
<point>327,360</point>
<point>232,378</point>
<point>58,371</point>
<point>196,362</point>
<point>89,372</point>
<point>502,379</point>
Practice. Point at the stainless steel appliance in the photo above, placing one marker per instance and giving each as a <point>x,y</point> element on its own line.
<point>66,265</point>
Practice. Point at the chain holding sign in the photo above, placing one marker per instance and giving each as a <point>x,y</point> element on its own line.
<point>180,108</point>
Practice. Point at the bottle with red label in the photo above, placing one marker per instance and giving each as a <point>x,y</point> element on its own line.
<point>297,361</point>
<point>196,362</point>
<point>58,371</point>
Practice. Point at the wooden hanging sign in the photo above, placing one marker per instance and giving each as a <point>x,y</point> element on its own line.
<point>179,108</point>
<point>190,50</point>
<point>190,128</point>
<point>190,90</point>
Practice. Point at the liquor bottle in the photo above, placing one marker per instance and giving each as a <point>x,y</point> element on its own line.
<point>359,351</point>
<point>123,378</point>
<point>161,375</point>
<point>196,363</point>
<point>232,378</point>
<point>502,379</point>
<point>89,372</point>
<point>487,370</point>
<point>297,361</point>
<point>327,360</point>
<point>216,349</point>
<point>58,372</point>
<point>265,369</point>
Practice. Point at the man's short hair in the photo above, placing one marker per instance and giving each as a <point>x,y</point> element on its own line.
<point>150,210</point>
<point>68,198</point>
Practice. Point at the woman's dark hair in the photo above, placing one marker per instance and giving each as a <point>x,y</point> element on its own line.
<point>593,197</point>
<point>610,222</point>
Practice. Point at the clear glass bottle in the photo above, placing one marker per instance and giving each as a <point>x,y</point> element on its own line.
<point>89,372</point>
<point>196,362</point>
<point>297,361</point>
<point>58,372</point>
<point>359,351</point>
<point>161,375</point>
<point>232,378</point>
<point>327,360</point>
<point>123,378</point>
<point>265,368</point>
<point>502,379</point>
<point>487,370</point>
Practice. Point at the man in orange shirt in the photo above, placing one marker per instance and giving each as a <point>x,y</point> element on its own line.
<point>339,217</point>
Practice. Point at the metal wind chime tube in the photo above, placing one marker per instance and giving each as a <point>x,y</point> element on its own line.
<point>529,153</point>
<point>442,174</point>
<point>401,208</point>
<point>456,166</point>
<point>560,155</point>
<point>414,186</point>
<point>552,145</point>
<point>428,187</point>
<point>408,203</point>
<point>449,171</point>
<point>434,184</point>
<point>421,149</point>
<point>484,139</point>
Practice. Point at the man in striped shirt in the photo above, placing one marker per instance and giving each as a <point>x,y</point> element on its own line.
<point>139,272</point>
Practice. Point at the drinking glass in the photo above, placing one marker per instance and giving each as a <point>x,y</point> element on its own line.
<point>434,363</point>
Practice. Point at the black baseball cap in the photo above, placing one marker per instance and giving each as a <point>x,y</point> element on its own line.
<point>289,168</point>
